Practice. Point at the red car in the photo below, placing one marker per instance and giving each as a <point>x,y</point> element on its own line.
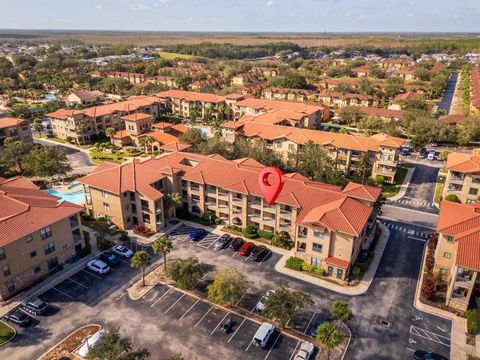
<point>246,248</point>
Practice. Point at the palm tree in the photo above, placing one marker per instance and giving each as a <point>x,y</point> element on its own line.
<point>216,124</point>
<point>207,118</point>
<point>341,310</point>
<point>80,129</point>
<point>164,246</point>
<point>173,200</point>
<point>139,260</point>
<point>37,126</point>
<point>145,141</point>
<point>110,133</point>
<point>328,335</point>
<point>194,112</point>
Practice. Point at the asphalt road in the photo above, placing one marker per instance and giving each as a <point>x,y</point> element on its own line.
<point>448,94</point>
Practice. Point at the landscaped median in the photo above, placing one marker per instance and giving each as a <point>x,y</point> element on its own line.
<point>7,333</point>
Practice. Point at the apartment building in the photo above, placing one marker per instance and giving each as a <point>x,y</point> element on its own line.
<point>15,129</point>
<point>337,99</point>
<point>475,90</point>
<point>463,177</point>
<point>85,97</point>
<point>457,257</point>
<point>283,94</point>
<point>384,114</point>
<point>311,115</point>
<point>345,149</point>
<point>183,102</point>
<point>328,224</point>
<point>38,232</point>
<point>81,125</point>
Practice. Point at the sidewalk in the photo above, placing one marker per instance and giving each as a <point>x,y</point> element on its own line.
<point>458,337</point>
<point>71,146</point>
<point>403,188</point>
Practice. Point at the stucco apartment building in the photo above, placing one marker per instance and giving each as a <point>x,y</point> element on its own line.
<point>81,125</point>
<point>475,90</point>
<point>457,256</point>
<point>345,149</point>
<point>15,129</point>
<point>463,177</point>
<point>337,99</point>
<point>38,232</point>
<point>85,97</point>
<point>284,94</point>
<point>328,224</point>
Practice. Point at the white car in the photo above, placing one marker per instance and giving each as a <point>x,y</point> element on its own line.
<point>263,334</point>
<point>306,350</point>
<point>123,251</point>
<point>261,303</point>
<point>96,338</point>
<point>98,266</point>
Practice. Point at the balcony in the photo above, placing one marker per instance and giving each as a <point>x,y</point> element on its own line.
<point>270,209</point>
<point>269,221</point>
<point>255,205</point>
<point>285,214</point>
<point>285,226</point>
<point>463,281</point>
<point>145,209</point>
<point>76,236</point>
<point>73,222</point>
<point>222,195</point>
<point>386,170</point>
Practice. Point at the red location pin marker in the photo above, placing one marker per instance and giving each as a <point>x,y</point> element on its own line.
<point>271,191</point>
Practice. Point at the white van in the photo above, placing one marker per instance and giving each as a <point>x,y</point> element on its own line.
<point>263,334</point>
<point>91,341</point>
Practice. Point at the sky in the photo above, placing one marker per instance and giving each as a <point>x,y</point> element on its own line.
<point>244,15</point>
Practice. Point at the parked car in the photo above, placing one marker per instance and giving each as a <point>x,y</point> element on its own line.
<point>315,325</point>
<point>98,266</point>
<point>96,338</point>
<point>432,155</point>
<point>422,154</point>
<point>18,317</point>
<point>122,251</point>
<point>263,334</point>
<point>427,355</point>
<point>197,234</point>
<point>110,258</point>
<point>246,248</point>
<point>259,252</point>
<point>405,151</point>
<point>222,242</point>
<point>306,350</point>
<point>227,326</point>
<point>261,303</point>
<point>35,306</point>
<point>236,243</point>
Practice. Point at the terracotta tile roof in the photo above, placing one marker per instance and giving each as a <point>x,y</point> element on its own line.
<point>191,96</point>
<point>462,221</point>
<point>344,264</point>
<point>322,204</point>
<point>137,116</point>
<point>408,96</point>
<point>475,86</point>
<point>10,121</point>
<point>290,106</point>
<point>121,134</point>
<point>87,94</point>
<point>452,119</point>
<point>360,191</point>
<point>466,163</point>
<point>175,146</point>
<point>162,138</point>
<point>25,209</point>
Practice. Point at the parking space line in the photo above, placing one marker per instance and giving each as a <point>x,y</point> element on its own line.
<point>439,339</point>
<point>124,261</point>
<point>31,315</point>
<point>160,298</point>
<point>239,326</point>
<point>274,343</point>
<point>89,273</point>
<point>246,292</point>
<point>248,347</point>
<point>180,298</point>
<point>211,307</point>
<point>190,308</point>
<point>294,350</point>
<point>261,261</point>
<point>62,292</point>
<point>76,282</point>
<point>228,313</point>
<point>248,257</point>
<point>234,253</point>
<point>311,319</point>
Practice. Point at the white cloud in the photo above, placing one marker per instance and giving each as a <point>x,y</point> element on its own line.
<point>165,2</point>
<point>270,2</point>
<point>139,7</point>
<point>99,7</point>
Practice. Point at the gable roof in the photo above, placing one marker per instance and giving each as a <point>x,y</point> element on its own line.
<point>11,121</point>
<point>466,163</point>
<point>191,96</point>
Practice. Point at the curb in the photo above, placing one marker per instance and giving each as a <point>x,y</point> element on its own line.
<point>11,338</point>
<point>348,343</point>
<point>404,186</point>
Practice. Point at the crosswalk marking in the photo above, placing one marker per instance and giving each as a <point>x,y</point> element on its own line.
<point>413,202</point>
<point>411,232</point>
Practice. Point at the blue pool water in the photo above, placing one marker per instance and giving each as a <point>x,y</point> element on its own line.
<point>75,197</point>
<point>74,186</point>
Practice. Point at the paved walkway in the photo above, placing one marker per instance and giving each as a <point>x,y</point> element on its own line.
<point>403,188</point>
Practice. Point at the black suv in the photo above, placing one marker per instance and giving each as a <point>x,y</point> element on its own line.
<point>236,244</point>
<point>259,252</point>
<point>35,307</point>
<point>18,317</point>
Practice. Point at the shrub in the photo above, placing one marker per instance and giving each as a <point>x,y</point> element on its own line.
<point>379,180</point>
<point>319,271</point>
<point>472,321</point>
<point>356,272</point>
<point>218,221</point>
<point>265,234</point>
<point>86,217</point>
<point>307,267</point>
<point>85,251</point>
<point>69,139</point>
<point>294,263</point>
<point>452,198</point>
<point>208,216</point>
<point>249,232</point>
<point>235,228</point>
<point>102,219</point>
<point>428,287</point>
<point>282,240</point>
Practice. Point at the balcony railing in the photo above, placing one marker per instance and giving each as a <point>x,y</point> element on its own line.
<point>463,280</point>
<point>301,250</point>
<point>73,223</point>
<point>76,237</point>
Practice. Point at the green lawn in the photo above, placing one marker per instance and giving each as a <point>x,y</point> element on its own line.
<point>6,332</point>
<point>438,191</point>
<point>171,56</point>
<point>389,190</point>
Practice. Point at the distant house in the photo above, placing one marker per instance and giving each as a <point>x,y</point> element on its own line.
<point>397,103</point>
<point>15,129</point>
<point>86,97</point>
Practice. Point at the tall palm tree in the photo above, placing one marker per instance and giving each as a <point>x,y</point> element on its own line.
<point>141,259</point>
<point>145,141</point>
<point>110,133</point>
<point>163,246</point>
<point>173,200</point>
<point>37,126</point>
<point>328,335</point>
<point>341,310</point>
<point>194,112</point>
<point>80,130</point>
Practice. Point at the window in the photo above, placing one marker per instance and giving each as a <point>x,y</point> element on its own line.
<point>473,191</point>
<point>317,247</point>
<point>29,238</point>
<point>448,238</point>
<point>49,248</point>
<point>6,270</point>
<point>316,262</point>
<point>447,255</point>
<point>278,144</point>
<point>52,263</point>
<point>2,254</point>
<point>106,206</point>
<point>291,146</point>
<point>443,270</point>
<point>33,254</point>
<point>339,274</point>
<point>11,286</point>
<point>104,194</point>
<point>36,269</point>
<point>46,232</point>
<point>108,218</point>
<point>318,233</point>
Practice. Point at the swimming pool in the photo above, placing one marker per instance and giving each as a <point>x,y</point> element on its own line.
<point>74,186</point>
<point>74,197</point>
